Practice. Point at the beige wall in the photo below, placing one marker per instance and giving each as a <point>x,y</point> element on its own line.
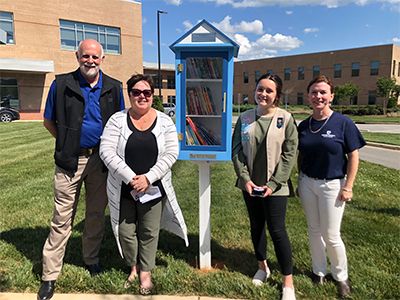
<point>165,92</point>
<point>37,37</point>
<point>384,54</point>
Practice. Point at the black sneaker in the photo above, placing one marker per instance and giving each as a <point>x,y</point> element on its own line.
<point>317,279</point>
<point>93,269</point>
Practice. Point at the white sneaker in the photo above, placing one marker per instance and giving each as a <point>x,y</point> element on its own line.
<point>288,294</point>
<point>261,277</point>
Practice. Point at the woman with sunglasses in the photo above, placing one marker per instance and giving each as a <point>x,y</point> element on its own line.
<point>139,147</point>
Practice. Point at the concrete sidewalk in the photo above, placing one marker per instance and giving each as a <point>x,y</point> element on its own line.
<point>31,296</point>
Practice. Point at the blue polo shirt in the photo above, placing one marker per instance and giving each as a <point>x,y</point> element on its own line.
<point>323,153</point>
<point>92,125</point>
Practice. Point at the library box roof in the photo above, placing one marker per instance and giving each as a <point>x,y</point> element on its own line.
<point>205,34</point>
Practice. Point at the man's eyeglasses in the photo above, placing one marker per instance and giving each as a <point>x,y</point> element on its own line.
<point>136,93</point>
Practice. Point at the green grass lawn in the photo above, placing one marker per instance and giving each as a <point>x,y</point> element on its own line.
<point>370,230</point>
<point>380,137</point>
<point>361,119</point>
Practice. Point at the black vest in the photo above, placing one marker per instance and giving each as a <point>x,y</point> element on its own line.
<point>69,110</point>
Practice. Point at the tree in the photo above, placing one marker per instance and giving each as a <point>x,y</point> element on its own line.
<point>157,103</point>
<point>386,88</point>
<point>345,93</point>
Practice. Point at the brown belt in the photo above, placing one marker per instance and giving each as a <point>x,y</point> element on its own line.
<point>88,151</point>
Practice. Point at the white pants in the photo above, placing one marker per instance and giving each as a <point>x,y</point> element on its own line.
<point>324,212</point>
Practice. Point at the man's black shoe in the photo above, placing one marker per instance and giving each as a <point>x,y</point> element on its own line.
<point>46,290</point>
<point>93,269</point>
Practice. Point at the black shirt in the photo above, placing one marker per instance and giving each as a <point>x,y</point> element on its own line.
<point>141,152</point>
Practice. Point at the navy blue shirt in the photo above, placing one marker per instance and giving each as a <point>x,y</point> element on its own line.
<point>323,153</point>
<point>92,125</point>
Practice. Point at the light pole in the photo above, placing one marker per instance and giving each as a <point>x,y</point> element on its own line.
<point>158,43</point>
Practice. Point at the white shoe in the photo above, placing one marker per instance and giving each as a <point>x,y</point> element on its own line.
<point>261,277</point>
<point>288,294</point>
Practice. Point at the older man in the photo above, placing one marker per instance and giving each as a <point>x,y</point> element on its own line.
<point>78,106</point>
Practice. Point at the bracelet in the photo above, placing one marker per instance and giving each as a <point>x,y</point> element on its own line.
<point>347,190</point>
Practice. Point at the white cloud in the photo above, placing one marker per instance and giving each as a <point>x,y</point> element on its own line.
<point>144,20</point>
<point>328,3</point>
<point>187,24</point>
<point>255,27</point>
<point>174,2</point>
<point>289,12</point>
<point>310,30</point>
<point>149,43</point>
<point>396,40</point>
<point>266,46</point>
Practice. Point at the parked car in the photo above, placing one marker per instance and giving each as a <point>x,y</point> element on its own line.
<point>8,114</point>
<point>169,109</point>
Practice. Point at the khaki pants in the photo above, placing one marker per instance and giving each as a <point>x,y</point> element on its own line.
<point>66,196</point>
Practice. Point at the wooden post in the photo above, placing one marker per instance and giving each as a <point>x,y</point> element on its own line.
<point>204,215</point>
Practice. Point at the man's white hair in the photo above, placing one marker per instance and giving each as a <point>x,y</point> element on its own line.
<point>80,48</point>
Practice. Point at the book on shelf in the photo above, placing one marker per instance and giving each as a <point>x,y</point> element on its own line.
<point>204,67</point>
<point>197,134</point>
<point>199,101</point>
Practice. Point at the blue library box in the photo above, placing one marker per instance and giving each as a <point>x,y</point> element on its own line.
<point>204,92</point>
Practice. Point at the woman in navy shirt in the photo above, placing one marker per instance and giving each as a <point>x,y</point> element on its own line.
<point>328,161</point>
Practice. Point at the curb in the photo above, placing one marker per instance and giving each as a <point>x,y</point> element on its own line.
<point>32,296</point>
<point>386,146</point>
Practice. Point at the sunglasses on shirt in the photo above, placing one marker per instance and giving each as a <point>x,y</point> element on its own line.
<point>136,93</point>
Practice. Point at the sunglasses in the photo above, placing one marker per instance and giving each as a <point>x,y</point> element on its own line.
<point>136,93</point>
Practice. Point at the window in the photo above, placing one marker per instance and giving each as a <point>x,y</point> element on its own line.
<point>286,73</point>
<point>171,99</point>
<point>245,99</point>
<point>7,24</point>
<point>245,77</point>
<point>9,92</point>
<point>300,73</point>
<point>315,71</point>
<point>337,70</point>
<point>355,69</point>
<point>270,72</point>
<point>354,100</point>
<point>74,32</point>
<point>394,68</point>
<point>300,98</point>
<point>374,67</point>
<point>398,70</point>
<point>170,82</point>
<point>257,74</point>
<point>156,82</point>
<point>371,97</point>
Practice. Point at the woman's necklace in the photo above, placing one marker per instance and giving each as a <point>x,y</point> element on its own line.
<point>322,126</point>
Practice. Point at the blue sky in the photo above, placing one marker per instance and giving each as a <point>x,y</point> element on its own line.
<point>268,28</point>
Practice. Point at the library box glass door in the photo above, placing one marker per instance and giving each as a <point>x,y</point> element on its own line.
<point>204,89</point>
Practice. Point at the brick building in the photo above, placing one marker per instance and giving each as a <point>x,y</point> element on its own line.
<point>361,66</point>
<point>39,37</point>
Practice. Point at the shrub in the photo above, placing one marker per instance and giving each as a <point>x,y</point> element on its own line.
<point>157,103</point>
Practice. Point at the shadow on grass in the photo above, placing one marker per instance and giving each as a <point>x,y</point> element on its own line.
<point>392,211</point>
<point>29,242</point>
<point>233,259</point>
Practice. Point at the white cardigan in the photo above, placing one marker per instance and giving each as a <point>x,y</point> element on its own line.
<point>112,152</point>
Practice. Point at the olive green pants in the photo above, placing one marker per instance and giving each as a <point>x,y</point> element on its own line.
<point>139,227</point>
